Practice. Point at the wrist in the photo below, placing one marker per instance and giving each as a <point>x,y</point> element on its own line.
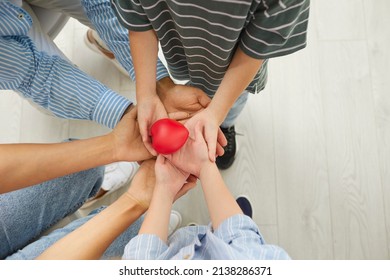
<point>128,109</point>
<point>164,85</point>
<point>162,191</point>
<point>132,203</point>
<point>205,168</point>
<point>217,111</point>
<point>145,91</point>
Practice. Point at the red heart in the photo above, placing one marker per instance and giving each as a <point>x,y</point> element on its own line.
<point>168,136</point>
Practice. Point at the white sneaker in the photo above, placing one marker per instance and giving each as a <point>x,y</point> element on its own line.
<point>118,175</point>
<point>174,222</point>
<point>96,44</point>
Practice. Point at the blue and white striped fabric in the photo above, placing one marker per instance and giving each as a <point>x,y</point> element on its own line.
<point>50,81</point>
<point>116,37</point>
<point>237,238</point>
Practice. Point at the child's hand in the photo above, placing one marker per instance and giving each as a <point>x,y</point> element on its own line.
<point>150,110</point>
<point>173,181</point>
<point>192,156</point>
<point>210,130</point>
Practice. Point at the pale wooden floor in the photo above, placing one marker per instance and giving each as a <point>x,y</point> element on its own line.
<point>315,153</point>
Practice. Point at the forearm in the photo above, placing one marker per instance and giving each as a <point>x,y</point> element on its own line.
<point>144,48</point>
<point>157,218</point>
<point>24,165</point>
<point>93,238</point>
<point>240,73</point>
<point>115,35</point>
<point>220,202</point>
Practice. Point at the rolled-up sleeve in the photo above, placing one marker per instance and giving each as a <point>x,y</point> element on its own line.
<point>276,28</point>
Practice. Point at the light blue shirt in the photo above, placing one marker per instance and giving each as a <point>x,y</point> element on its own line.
<point>237,238</point>
<point>53,82</point>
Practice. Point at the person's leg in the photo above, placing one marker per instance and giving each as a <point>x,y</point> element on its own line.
<point>228,129</point>
<point>235,111</point>
<point>25,214</point>
<point>114,251</point>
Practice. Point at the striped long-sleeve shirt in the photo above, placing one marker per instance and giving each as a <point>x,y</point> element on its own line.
<point>51,81</point>
<point>199,38</point>
<point>238,237</point>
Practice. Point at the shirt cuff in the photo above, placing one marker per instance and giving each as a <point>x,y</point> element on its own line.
<point>110,108</point>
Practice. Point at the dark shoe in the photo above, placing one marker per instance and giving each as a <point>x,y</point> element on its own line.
<point>245,205</point>
<point>225,161</point>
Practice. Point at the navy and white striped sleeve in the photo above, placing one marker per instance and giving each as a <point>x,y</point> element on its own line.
<point>278,27</point>
<point>56,85</point>
<point>115,35</point>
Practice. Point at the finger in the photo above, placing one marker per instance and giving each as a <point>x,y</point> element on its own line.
<point>146,139</point>
<point>160,159</point>
<point>220,150</point>
<point>192,178</point>
<point>190,129</point>
<point>211,139</point>
<point>198,135</point>
<point>168,157</point>
<point>221,138</point>
<point>204,100</point>
<point>178,115</point>
<point>150,148</point>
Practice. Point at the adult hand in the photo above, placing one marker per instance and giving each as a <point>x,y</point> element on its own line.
<point>126,138</point>
<point>150,109</point>
<point>183,102</point>
<point>181,98</point>
<point>171,179</point>
<point>142,185</point>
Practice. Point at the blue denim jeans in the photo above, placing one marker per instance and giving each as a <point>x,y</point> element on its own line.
<point>236,109</point>
<point>25,214</point>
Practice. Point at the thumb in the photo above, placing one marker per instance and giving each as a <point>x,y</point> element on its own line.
<point>204,100</point>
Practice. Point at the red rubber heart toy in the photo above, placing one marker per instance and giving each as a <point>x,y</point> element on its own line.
<point>168,136</point>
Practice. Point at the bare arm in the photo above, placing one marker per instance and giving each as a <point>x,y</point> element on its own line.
<point>240,73</point>
<point>91,239</point>
<point>23,165</point>
<point>171,183</point>
<point>220,202</point>
<point>144,49</point>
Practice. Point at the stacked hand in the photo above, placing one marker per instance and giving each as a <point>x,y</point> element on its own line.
<point>186,104</point>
